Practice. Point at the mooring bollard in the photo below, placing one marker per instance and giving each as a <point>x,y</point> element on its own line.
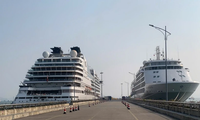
<point>128,107</point>
<point>70,109</point>
<point>64,111</point>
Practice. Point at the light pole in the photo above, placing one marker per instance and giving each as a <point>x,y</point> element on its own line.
<point>127,87</point>
<point>74,80</point>
<point>101,82</point>
<point>132,74</point>
<point>74,91</point>
<point>165,35</point>
<point>121,89</point>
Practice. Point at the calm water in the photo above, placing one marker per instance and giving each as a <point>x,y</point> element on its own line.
<point>5,102</point>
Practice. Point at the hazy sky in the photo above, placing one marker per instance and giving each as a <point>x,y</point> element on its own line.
<point>113,35</point>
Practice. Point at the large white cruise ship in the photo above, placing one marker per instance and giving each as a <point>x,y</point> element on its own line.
<point>59,77</point>
<point>150,80</point>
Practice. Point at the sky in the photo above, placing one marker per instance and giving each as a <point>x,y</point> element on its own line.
<point>113,35</point>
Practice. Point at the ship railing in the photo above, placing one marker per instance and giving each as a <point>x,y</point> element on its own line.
<point>40,65</point>
<point>54,80</point>
<point>57,70</point>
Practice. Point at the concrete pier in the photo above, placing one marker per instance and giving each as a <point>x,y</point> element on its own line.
<point>111,110</point>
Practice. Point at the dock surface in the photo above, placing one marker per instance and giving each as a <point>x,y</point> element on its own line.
<point>111,110</point>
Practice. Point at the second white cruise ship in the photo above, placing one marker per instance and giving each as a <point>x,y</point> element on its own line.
<point>150,80</point>
<point>59,77</point>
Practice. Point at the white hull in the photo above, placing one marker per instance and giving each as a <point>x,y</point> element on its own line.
<point>176,91</point>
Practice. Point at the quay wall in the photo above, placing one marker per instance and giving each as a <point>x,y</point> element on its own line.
<point>178,110</point>
<point>14,113</point>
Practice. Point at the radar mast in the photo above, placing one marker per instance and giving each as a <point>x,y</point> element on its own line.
<point>157,53</point>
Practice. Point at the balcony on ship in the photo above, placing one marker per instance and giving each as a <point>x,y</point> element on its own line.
<point>44,93</point>
<point>52,81</point>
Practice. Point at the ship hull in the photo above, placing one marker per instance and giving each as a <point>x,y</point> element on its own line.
<point>176,91</point>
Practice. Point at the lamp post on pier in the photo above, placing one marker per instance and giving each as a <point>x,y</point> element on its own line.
<point>121,89</point>
<point>127,87</point>
<point>166,34</point>
<point>101,82</point>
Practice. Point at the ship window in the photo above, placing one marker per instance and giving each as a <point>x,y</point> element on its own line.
<point>157,71</point>
<point>28,97</point>
<point>56,60</point>
<point>39,60</point>
<point>65,60</point>
<point>154,76</point>
<point>170,67</point>
<point>64,96</point>
<point>75,60</point>
<point>173,79</point>
<point>42,97</point>
<point>154,81</point>
<point>158,76</point>
<point>47,60</point>
<point>56,97</point>
<point>64,68</point>
<point>154,71</point>
<point>21,97</point>
<point>58,68</point>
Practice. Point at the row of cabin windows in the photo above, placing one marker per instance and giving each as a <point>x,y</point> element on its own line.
<point>140,91</point>
<point>45,97</point>
<point>155,76</point>
<point>162,63</point>
<point>59,60</point>
<point>139,74</point>
<point>155,71</point>
<point>163,67</point>
<point>69,64</point>
<point>54,73</point>
<point>139,81</point>
<point>139,86</point>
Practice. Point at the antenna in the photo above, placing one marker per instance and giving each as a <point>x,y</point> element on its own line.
<point>146,54</point>
<point>178,53</point>
<point>163,53</point>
